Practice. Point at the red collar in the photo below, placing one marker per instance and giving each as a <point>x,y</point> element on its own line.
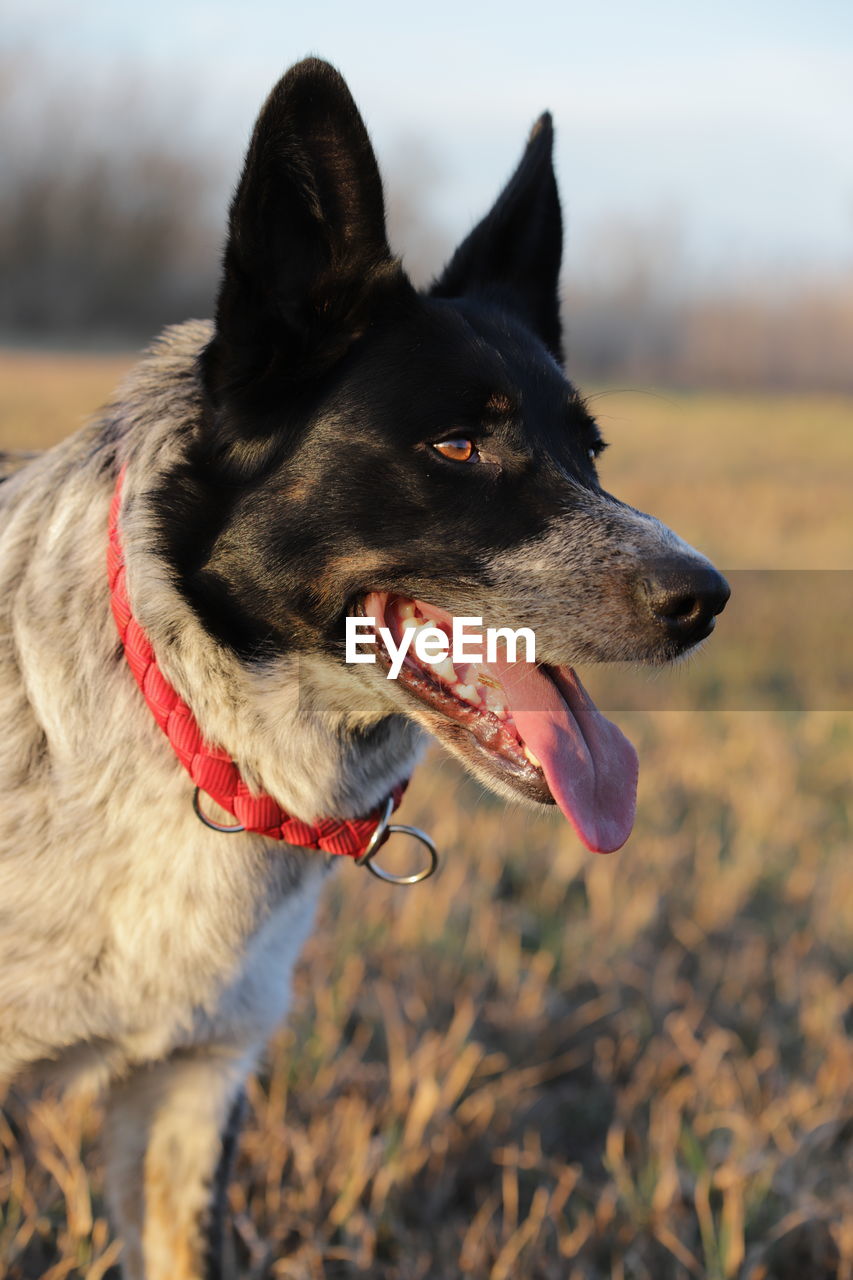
<point>211,769</point>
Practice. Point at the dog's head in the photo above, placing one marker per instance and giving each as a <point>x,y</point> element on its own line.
<point>368,448</point>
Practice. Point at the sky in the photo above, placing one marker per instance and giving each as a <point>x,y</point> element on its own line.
<point>728,125</point>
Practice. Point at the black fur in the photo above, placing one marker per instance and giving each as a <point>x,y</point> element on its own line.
<point>513,256</point>
<point>312,478</point>
<point>329,377</point>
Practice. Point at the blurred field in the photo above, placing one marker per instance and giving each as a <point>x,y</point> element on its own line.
<point>545,1064</point>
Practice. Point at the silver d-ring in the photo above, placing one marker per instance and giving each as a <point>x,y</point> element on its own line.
<point>383,831</point>
<point>208,822</point>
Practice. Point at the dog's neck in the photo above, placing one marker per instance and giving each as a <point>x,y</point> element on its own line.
<point>290,723</point>
<point>284,722</point>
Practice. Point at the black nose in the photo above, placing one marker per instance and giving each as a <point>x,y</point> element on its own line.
<point>686,598</point>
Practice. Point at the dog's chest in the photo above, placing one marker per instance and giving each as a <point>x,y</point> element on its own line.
<point>214,958</point>
<point>132,926</point>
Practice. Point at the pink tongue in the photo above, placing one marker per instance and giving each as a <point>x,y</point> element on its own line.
<point>590,766</point>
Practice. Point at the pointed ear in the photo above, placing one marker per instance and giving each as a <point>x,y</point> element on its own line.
<point>514,253</point>
<point>306,248</point>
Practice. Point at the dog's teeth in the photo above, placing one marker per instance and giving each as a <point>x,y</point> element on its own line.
<point>422,624</point>
<point>493,698</point>
<point>467,693</point>
<point>445,670</point>
<point>406,610</point>
<point>537,764</point>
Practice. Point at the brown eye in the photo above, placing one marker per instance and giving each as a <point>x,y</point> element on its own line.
<point>458,450</point>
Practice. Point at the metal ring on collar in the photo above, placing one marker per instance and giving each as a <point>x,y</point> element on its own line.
<point>208,822</point>
<point>384,830</point>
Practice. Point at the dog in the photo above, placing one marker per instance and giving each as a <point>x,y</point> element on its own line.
<point>336,444</point>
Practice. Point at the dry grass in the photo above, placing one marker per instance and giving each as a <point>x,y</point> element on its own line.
<point>545,1064</point>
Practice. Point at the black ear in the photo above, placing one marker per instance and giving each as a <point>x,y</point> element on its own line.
<point>514,254</point>
<point>307,249</point>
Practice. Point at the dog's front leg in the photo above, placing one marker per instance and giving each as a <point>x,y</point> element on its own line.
<point>171,1132</point>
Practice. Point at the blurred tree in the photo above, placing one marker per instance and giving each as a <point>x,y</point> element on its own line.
<point>106,225</point>
<point>112,217</point>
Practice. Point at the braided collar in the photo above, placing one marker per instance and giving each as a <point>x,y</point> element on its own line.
<point>210,768</point>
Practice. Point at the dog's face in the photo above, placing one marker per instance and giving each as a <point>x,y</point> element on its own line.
<point>413,457</point>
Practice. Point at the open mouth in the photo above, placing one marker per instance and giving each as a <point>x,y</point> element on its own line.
<point>533,728</point>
